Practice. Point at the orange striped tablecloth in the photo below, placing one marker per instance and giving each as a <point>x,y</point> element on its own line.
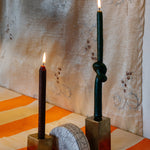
<point>19,118</point>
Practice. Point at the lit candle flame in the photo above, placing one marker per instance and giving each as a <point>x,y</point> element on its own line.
<point>99,3</point>
<point>44,58</point>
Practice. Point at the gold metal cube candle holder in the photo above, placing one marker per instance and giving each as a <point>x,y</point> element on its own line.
<point>98,133</point>
<point>48,143</point>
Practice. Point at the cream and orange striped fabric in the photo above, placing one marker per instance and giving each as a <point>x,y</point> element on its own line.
<point>19,118</point>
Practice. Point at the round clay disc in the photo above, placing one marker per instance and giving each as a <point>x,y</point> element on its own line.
<point>70,137</point>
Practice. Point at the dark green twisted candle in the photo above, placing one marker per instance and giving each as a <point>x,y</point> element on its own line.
<point>99,35</point>
<point>97,66</point>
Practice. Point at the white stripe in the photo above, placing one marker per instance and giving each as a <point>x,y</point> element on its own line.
<point>121,140</point>
<point>71,118</point>
<point>20,112</point>
<point>6,94</point>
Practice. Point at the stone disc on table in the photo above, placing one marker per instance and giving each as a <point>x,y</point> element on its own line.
<point>70,137</point>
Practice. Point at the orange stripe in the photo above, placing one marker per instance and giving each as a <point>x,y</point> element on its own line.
<point>113,128</point>
<point>15,102</point>
<point>83,129</point>
<point>15,127</point>
<point>143,145</point>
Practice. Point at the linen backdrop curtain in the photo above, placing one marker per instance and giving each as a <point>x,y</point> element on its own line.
<point>66,30</point>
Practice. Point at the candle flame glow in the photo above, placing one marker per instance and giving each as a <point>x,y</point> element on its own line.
<point>99,3</point>
<point>44,58</point>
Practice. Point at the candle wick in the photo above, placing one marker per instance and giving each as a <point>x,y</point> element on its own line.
<point>99,9</point>
<point>43,64</point>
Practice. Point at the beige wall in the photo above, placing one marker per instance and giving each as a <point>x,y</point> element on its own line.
<point>32,27</point>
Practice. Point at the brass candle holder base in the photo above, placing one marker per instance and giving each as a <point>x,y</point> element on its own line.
<point>40,144</point>
<point>98,133</point>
